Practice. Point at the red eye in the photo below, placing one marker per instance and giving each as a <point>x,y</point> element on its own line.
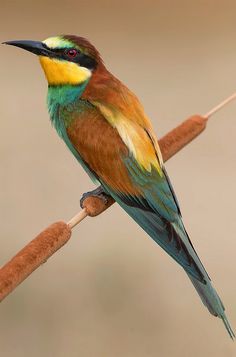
<point>71,53</point>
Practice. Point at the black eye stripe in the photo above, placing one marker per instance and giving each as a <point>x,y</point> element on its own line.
<point>81,58</point>
<point>88,62</point>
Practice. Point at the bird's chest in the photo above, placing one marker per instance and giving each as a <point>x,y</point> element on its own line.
<point>102,148</point>
<point>63,103</point>
<point>64,108</point>
<point>94,142</point>
<point>93,137</point>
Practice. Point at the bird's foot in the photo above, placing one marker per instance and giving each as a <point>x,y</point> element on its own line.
<point>99,193</point>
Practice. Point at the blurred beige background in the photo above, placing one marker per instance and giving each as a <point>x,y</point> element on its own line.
<point>111,291</point>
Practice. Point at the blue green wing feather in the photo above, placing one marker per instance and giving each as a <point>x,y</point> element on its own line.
<point>157,211</point>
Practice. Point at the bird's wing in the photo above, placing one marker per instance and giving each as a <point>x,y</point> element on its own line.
<point>155,209</point>
<point>124,156</point>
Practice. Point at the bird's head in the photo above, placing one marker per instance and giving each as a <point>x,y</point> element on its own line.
<point>66,59</point>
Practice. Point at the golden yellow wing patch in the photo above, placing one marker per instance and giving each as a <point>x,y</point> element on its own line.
<point>139,140</point>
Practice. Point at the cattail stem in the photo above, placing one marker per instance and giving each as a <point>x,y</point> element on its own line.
<point>220,106</point>
<point>77,218</point>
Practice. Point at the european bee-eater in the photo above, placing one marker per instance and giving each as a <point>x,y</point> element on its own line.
<point>104,125</point>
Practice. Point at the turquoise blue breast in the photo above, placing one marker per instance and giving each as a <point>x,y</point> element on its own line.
<point>63,103</point>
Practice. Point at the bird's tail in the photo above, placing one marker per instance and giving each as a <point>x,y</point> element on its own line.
<point>212,301</point>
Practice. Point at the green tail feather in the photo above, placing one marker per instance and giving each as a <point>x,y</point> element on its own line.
<point>212,301</point>
<point>228,327</point>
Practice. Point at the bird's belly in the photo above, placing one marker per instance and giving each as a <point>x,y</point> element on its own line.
<point>102,149</point>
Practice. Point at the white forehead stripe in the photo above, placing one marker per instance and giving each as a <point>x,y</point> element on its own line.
<point>57,42</point>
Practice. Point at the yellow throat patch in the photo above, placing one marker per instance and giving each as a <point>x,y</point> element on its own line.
<point>59,72</point>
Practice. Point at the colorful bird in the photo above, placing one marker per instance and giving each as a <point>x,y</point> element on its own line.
<point>104,125</point>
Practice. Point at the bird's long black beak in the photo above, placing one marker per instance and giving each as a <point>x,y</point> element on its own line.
<point>36,47</point>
